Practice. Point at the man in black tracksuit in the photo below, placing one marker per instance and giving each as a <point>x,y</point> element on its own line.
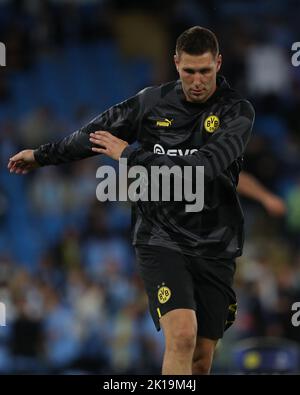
<point>186,259</point>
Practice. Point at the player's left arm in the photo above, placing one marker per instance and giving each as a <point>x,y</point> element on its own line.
<point>250,187</point>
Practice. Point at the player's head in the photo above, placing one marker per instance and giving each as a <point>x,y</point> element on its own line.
<point>197,60</point>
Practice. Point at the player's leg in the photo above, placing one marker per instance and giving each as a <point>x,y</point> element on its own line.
<point>180,331</point>
<point>203,355</point>
<point>170,290</point>
<point>216,307</point>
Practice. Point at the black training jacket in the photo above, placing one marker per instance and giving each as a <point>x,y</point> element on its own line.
<point>172,131</point>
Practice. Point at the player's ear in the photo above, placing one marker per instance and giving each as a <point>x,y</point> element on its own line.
<point>219,62</point>
<point>176,61</point>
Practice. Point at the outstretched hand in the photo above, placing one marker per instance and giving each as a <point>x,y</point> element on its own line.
<point>110,145</point>
<point>275,205</point>
<point>22,162</point>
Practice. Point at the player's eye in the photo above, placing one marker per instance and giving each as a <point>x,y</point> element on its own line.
<point>189,71</point>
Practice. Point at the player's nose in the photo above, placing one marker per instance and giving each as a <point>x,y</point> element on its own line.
<point>197,79</point>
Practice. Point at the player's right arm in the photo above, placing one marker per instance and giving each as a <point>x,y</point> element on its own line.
<point>22,162</point>
<point>121,120</point>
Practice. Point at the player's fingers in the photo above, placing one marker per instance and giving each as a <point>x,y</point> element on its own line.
<point>100,141</point>
<point>22,164</point>
<point>21,171</point>
<point>13,167</point>
<point>102,133</point>
<point>100,150</point>
<point>100,137</point>
<point>108,135</point>
<point>11,164</point>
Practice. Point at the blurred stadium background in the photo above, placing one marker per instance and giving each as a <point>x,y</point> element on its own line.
<point>73,297</point>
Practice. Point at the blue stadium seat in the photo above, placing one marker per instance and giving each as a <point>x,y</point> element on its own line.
<point>267,356</point>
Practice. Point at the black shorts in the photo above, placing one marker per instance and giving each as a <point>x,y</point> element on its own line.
<point>176,281</point>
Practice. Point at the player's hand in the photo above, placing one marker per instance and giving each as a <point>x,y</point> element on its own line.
<point>22,162</point>
<point>274,205</point>
<point>110,145</point>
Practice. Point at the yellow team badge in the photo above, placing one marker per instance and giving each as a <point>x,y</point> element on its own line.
<point>163,294</point>
<point>211,123</point>
<point>166,123</point>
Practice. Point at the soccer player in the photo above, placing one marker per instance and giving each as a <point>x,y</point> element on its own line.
<point>186,259</point>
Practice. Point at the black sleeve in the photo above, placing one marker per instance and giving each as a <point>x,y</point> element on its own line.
<point>226,145</point>
<point>120,120</point>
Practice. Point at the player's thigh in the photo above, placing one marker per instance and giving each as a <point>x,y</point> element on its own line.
<point>168,283</point>
<point>215,297</point>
